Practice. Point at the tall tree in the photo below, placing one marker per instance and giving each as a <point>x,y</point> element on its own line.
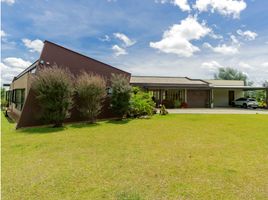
<point>228,73</point>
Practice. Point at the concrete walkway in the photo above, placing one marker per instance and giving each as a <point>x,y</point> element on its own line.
<point>217,111</point>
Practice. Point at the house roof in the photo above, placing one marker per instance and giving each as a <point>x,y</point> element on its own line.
<point>225,82</point>
<point>164,80</point>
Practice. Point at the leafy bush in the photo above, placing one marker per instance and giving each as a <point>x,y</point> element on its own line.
<point>262,104</point>
<point>91,91</point>
<point>54,90</point>
<point>121,93</point>
<point>141,103</point>
<point>163,110</point>
<point>177,104</point>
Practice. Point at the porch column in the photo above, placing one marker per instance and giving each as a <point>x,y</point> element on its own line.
<point>211,98</point>
<point>160,96</point>
<point>185,95</point>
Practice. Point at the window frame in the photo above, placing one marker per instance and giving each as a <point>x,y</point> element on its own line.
<point>18,98</point>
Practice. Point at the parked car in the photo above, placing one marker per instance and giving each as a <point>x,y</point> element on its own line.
<point>246,103</point>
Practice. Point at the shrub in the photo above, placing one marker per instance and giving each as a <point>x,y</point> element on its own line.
<point>91,91</point>
<point>177,104</point>
<point>262,104</point>
<point>121,93</point>
<point>54,90</point>
<point>163,110</point>
<point>141,103</point>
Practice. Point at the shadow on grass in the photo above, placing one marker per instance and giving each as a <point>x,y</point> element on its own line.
<point>42,130</point>
<point>11,121</point>
<point>84,125</point>
<point>118,121</point>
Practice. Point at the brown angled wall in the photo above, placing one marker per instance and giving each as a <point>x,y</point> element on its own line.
<point>76,63</point>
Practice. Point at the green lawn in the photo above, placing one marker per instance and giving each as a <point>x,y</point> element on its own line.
<point>176,157</point>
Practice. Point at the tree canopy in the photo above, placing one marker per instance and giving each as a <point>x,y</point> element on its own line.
<point>228,73</point>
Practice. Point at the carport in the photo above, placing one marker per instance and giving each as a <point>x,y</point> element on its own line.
<point>222,96</point>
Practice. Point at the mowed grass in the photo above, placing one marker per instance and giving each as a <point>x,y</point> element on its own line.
<point>176,157</point>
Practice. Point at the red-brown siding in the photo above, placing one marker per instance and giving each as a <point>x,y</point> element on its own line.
<point>76,63</point>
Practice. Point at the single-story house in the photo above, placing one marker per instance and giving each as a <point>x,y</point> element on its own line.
<point>197,93</point>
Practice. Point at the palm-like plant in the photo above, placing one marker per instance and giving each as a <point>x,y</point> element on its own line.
<point>231,74</point>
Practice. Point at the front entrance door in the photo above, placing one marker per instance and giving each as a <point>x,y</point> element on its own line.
<point>231,97</point>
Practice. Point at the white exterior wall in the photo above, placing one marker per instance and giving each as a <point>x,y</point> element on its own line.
<point>221,96</point>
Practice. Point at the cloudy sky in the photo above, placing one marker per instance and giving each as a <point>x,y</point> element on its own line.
<point>145,37</point>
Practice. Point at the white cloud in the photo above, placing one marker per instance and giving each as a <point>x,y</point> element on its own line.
<point>215,36</point>
<point>11,67</point>
<point>182,4</point>
<point>245,65</point>
<point>234,39</point>
<point>265,65</point>
<point>118,50</point>
<point>222,49</point>
<point>248,35</point>
<point>224,7</point>
<point>16,62</point>
<point>127,42</point>
<point>106,38</point>
<point>3,33</point>
<point>9,2</point>
<point>33,45</point>
<point>211,66</point>
<point>177,39</point>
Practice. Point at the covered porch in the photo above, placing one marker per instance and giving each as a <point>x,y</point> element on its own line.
<point>216,97</point>
<point>181,97</point>
<point>184,92</point>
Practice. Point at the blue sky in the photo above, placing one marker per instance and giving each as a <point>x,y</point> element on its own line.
<point>145,37</point>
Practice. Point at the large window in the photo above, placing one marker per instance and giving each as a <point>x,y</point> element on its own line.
<point>18,98</point>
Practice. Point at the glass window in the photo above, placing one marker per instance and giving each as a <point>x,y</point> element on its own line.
<point>18,98</point>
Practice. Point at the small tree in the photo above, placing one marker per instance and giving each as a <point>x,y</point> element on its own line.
<point>121,93</point>
<point>4,102</point>
<point>91,91</point>
<point>54,90</point>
